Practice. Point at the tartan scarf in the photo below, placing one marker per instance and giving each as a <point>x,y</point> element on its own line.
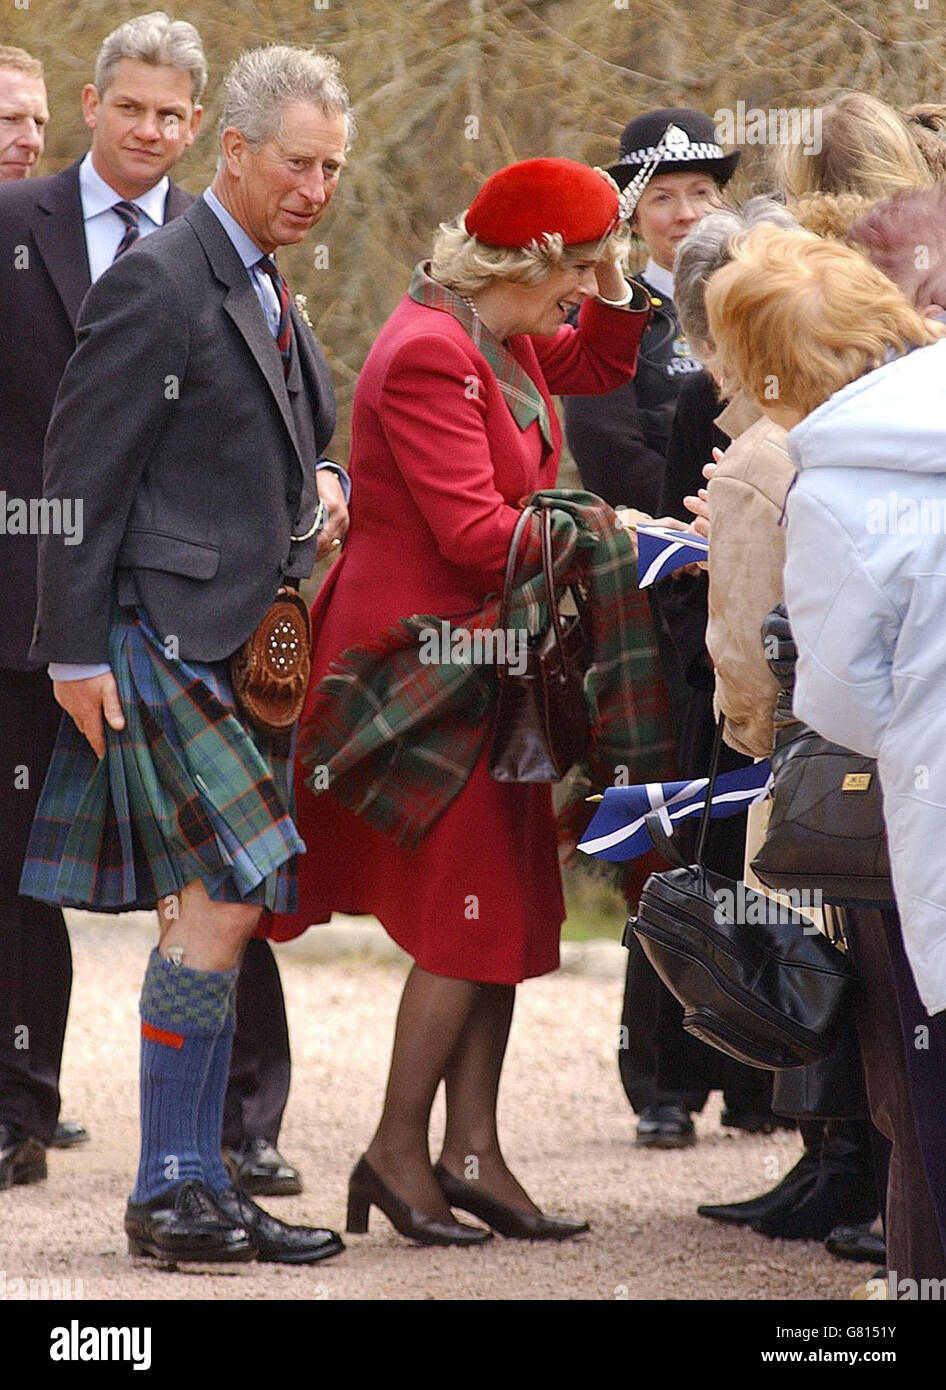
<point>520,392</point>
<point>395,739</point>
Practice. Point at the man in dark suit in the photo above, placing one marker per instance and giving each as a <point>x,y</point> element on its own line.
<point>187,434</point>
<point>58,235</point>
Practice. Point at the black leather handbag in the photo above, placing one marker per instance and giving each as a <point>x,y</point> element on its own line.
<point>541,720</point>
<point>826,827</point>
<point>756,979</point>
<point>830,1090</point>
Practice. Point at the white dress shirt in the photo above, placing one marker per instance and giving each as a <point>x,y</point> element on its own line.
<point>659,279</point>
<point>104,228</point>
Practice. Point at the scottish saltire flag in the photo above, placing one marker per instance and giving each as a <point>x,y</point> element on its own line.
<point>661,550</point>
<point>618,831</point>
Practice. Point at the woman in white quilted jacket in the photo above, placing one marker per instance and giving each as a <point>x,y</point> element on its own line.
<point>830,349</point>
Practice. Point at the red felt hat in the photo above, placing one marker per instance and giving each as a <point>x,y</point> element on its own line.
<point>526,201</point>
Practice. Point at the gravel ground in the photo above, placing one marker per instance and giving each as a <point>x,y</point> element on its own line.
<point>567,1129</point>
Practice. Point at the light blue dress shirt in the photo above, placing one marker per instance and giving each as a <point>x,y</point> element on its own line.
<point>250,254</point>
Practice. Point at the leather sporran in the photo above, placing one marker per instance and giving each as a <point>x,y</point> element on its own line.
<point>270,672</point>
<point>541,721</point>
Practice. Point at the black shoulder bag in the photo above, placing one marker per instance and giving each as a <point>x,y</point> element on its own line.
<point>756,979</point>
<point>826,827</point>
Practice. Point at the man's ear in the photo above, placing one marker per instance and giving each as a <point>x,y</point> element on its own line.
<point>90,104</point>
<point>195,125</point>
<point>233,147</point>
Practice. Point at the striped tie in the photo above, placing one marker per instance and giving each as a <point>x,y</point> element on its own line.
<point>130,214</point>
<point>284,331</point>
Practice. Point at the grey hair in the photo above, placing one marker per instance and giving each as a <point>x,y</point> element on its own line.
<point>466,265</point>
<point>706,250</point>
<point>262,81</point>
<point>156,39</point>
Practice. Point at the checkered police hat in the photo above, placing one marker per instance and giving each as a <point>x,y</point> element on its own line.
<point>672,140</point>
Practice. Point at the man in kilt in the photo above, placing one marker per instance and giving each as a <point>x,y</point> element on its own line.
<point>188,427</point>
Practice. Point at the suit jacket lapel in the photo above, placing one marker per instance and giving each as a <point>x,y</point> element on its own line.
<point>316,379</point>
<point>176,202</point>
<point>243,307</point>
<point>294,379</point>
<point>59,232</point>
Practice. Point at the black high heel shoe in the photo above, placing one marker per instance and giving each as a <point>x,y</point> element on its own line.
<point>519,1225</point>
<point>366,1188</point>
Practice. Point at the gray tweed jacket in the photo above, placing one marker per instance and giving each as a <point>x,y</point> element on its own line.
<point>193,458</point>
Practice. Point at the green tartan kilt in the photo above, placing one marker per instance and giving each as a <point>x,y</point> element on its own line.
<point>186,790</point>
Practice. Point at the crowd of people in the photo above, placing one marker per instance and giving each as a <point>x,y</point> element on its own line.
<point>176,403</point>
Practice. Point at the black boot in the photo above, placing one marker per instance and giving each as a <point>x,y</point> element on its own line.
<point>844,1192</point>
<point>797,1183</point>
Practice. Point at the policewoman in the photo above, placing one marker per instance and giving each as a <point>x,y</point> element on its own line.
<point>678,171</point>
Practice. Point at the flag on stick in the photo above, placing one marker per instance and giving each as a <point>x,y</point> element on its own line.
<point>618,832</point>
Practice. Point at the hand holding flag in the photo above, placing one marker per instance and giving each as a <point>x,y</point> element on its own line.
<point>662,549</point>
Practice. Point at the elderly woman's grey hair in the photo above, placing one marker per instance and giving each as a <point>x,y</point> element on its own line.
<point>262,82</point>
<point>158,40</point>
<point>705,251</point>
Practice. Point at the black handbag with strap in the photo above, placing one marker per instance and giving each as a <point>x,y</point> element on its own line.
<point>833,1089</point>
<point>756,979</point>
<point>826,827</point>
<point>541,723</point>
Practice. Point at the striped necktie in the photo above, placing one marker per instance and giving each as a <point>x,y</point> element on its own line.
<point>284,330</point>
<point>130,214</point>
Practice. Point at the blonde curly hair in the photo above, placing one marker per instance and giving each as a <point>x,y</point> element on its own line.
<point>794,318</point>
<point>466,265</point>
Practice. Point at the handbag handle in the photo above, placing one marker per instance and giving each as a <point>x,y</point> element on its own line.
<point>710,788</point>
<point>662,841</point>
<point>512,563</point>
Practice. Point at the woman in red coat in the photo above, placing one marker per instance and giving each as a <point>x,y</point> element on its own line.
<point>453,424</point>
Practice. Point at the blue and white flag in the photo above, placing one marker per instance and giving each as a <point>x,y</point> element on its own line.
<point>661,550</point>
<point>618,831</point>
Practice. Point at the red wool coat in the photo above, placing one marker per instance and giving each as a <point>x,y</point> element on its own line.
<point>438,466</point>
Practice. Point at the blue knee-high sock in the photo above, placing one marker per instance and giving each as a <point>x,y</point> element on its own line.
<point>182,1014</point>
<point>210,1109</point>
